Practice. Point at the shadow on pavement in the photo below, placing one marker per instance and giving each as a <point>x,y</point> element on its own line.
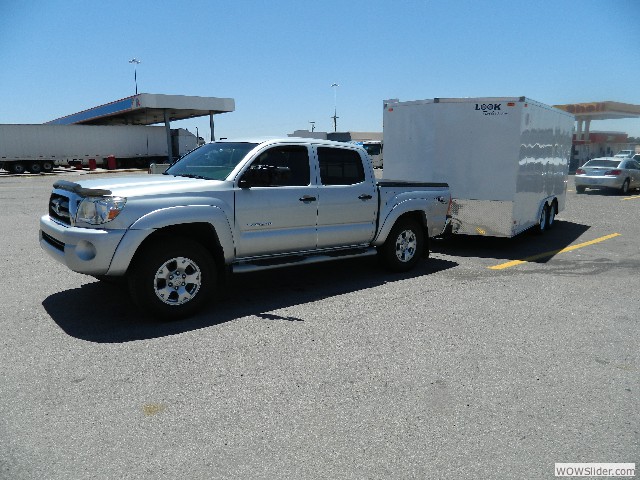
<point>103,313</point>
<point>527,244</point>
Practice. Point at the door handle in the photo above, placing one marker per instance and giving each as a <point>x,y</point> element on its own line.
<point>307,198</point>
<point>365,196</point>
<point>441,199</point>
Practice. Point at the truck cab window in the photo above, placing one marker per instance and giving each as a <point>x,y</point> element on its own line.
<point>340,166</point>
<point>282,166</point>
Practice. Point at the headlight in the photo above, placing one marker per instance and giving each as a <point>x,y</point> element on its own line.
<point>99,210</point>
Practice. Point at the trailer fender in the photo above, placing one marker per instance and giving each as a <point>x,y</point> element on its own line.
<point>172,217</point>
<point>546,203</point>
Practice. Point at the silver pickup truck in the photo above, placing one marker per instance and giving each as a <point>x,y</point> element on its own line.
<point>239,206</point>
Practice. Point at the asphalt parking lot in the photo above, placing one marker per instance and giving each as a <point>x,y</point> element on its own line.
<point>494,359</point>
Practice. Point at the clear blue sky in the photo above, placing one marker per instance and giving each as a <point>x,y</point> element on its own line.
<point>278,59</point>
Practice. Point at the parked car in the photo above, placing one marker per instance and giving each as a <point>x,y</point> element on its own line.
<point>621,174</point>
<point>624,154</point>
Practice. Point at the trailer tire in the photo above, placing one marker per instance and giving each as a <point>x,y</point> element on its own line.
<point>542,221</point>
<point>404,246</point>
<point>47,166</point>
<point>35,167</point>
<point>551,214</point>
<point>152,279</point>
<point>17,168</point>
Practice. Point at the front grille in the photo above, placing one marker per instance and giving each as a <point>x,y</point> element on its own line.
<point>53,242</point>
<point>59,208</point>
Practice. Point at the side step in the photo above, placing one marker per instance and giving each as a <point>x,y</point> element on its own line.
<point>257,264</point>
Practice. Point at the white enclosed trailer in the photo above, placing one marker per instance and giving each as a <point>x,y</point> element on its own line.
<point>505,159</point>
<point>38,148</point>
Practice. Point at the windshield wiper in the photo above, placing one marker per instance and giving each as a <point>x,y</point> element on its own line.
<point>191,175</point>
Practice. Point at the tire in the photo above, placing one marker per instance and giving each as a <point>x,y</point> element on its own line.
<point>404,246</point>
<point>152,280</point>
<point>17,168</point>
<point>542,221</point>
<point>35,167</point>
<point>551,215</point>
<point>580,189</point>
<point>625,187</point>
<point>47,167</point>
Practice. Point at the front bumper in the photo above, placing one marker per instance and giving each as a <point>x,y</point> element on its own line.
<point>83,250</point>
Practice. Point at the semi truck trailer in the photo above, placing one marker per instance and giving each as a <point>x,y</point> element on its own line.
<point>38,148</point>
<point>505,159</point>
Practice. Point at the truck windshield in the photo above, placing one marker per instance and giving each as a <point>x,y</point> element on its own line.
<point>212,161</point>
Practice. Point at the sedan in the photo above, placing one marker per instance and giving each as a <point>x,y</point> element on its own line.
<point>622,174</point>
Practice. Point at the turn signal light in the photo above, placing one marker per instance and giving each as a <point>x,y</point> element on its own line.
<point>613,172</point>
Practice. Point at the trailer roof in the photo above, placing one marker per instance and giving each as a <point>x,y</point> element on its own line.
<point>148,109</point>
<point>607,110</point>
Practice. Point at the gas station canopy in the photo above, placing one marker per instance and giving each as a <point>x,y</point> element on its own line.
<point>148,109</point>
<point>601,110</point>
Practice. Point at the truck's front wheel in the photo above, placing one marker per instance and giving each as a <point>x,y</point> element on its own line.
<point>404,246</point>
<point>173,280</point>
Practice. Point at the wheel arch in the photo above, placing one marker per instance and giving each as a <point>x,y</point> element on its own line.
<point>418,216</point>
<point>202,232</point>
<point>207,225</point>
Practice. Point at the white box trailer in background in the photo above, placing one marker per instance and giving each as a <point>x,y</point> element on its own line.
<point>37,148</point>
<point>505,159</point>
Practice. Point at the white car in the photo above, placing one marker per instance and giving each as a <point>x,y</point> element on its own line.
<point>617,173</point>
<point>624,154</point>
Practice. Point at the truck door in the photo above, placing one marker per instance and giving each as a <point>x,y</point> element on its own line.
<point>276,205</point>
<point>348,201</point>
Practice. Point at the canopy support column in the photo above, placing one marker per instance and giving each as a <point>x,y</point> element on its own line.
<point>167,126</point>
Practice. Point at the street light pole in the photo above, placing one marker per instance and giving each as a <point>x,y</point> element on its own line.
<point>335,106</point>
<point>135,62</point>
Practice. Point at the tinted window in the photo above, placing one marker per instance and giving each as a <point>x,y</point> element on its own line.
<point>339,166</point>
<point>602,163</point>
<point>373,148</point>
<point>281,166</point>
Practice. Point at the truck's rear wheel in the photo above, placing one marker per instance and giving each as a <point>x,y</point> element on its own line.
<point>47,166</point>
<point>17,167</point>
<point>35,167</point>
<point>404,246</point>
<point>173,280</point>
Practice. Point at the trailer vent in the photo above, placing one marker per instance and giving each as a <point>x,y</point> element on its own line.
<point>59,208</point>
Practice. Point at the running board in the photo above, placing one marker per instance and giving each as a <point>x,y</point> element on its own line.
<point>258,264</point>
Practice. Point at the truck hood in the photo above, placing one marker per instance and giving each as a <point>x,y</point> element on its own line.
<point>141,185</point>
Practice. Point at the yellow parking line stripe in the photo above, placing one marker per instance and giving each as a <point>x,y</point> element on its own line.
<point>631,198</point>
<point>551,253</point>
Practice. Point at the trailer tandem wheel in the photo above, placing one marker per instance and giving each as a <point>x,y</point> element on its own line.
<point>17,167</point>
